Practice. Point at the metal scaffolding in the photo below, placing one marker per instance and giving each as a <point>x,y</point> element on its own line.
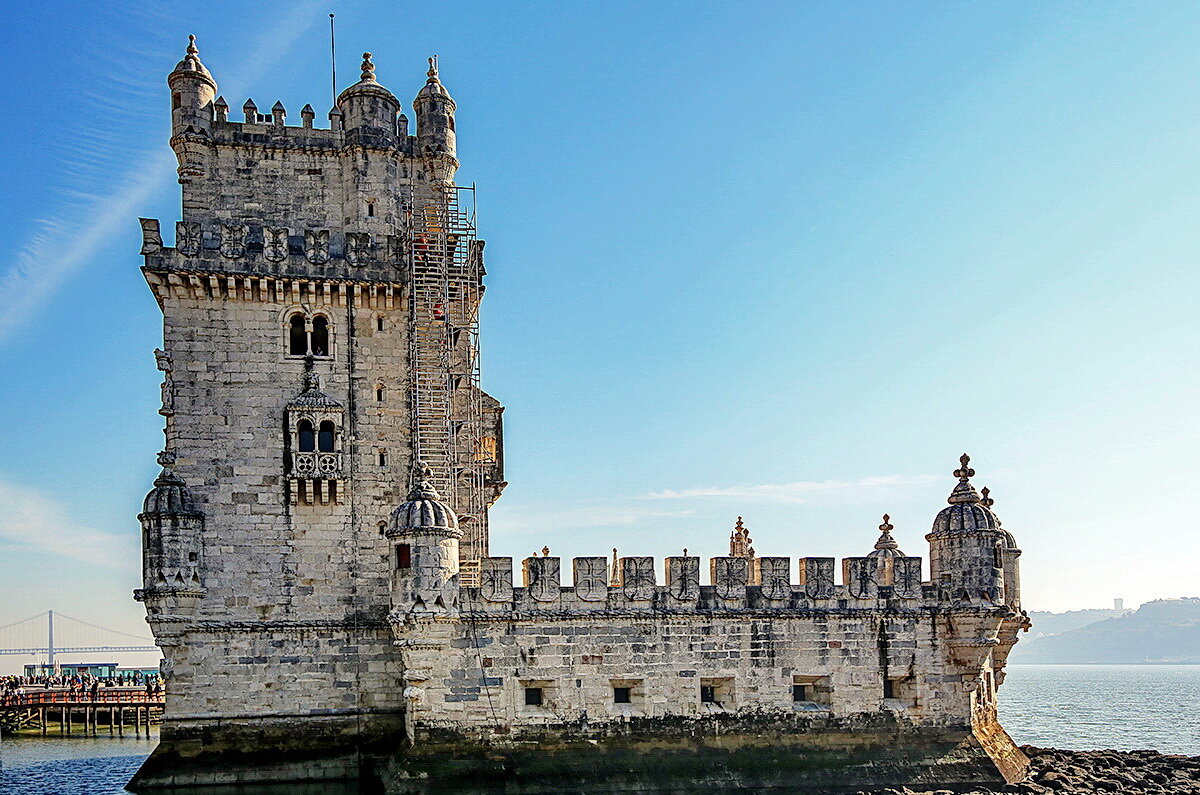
<point>446,279</point>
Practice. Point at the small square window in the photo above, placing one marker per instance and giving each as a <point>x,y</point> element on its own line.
<point>800,693</point>
<point>708,694</point>
<point>533,696</point>
<point>622,695</point>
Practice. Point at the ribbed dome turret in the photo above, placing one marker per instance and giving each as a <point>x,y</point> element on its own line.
<point>967,511</point>
<point>886,546</point>
<point>170,497</point>
<point>191,66</point>
<point>424,510</point>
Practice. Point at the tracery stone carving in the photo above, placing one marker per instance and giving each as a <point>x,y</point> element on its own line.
<point>591,579</point>
<point>233,241</point>
<point>275,243</point>
<point>637,578</point>
<point>496,579</point>
<point>316,245</point>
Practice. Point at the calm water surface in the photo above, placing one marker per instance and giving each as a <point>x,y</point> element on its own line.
<point>1081,707</point>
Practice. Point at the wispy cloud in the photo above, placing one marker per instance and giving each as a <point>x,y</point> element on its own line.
<point>91,210</point>
<point>32,520</point>
<point>800,491</point>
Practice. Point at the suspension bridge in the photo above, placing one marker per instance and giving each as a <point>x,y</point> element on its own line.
<point>36,636</point>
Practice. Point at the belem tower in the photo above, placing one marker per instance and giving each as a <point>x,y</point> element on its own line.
<point>316,560</point>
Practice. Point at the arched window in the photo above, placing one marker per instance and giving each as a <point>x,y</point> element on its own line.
<point>320,336</point>
<point>308,440</point>
<point>297,336</point>
<point>382,458</point>
<point>325,437</point>
<point>379,394</point>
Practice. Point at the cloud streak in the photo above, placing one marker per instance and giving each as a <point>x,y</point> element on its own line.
<point>32,520</point>
<point>800,491</point>
<point>66,239</point>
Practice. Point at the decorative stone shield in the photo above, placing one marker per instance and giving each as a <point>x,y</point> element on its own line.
<point>637,578</point>
<point>774,578</point>
<point>683,578</point>
<point>358,245</point>
<point>275,243</point>
<point>859,575</point>
<point>187,237</point>
<point>316,245</point>
<point>233,241</point>
<point>730,576</point>
<point>906,578</point>
<point>542,578</point>
<point>591,579</point>
<point>816,575</point>
<point>496,579</point>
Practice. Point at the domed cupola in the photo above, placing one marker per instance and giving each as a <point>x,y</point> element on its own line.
<point>886,547</point>
<point>966,511</point>
<point>192,114</point>
<point>986,501</point>
<point>424,510</point>
<point>169,497</point>
<point>190,68</point>
<point>369,108</point>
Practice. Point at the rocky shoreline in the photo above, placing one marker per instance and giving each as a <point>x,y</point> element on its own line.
<point>1087,772</point>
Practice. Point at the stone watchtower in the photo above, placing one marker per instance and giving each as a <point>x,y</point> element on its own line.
<point>320,325</point>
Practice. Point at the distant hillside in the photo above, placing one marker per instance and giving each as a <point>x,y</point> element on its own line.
<point>1165,631</point>
<point>1058,623</point>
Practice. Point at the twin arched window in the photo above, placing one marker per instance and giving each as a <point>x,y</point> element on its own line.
<point>319,440</point>
<point>308,339</point>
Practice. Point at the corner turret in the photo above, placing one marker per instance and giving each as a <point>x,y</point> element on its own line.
<point>424,534</point>
<point>964,545</point>
<point>1009,555</point>
<point>434,110</point>
<point>192,92</point>
<point>368,110</point>
<point>172,569</point>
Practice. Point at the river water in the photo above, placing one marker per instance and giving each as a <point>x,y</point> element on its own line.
<point>1082,707</point>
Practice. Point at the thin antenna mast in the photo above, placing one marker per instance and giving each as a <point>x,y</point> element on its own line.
<point>333,61</point>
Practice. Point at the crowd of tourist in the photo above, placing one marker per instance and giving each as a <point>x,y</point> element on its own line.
<point>80,686</point>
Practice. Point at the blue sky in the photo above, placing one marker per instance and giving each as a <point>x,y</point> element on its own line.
<point>764,259</point>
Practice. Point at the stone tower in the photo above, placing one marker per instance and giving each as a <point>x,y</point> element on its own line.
<point>319,337</point>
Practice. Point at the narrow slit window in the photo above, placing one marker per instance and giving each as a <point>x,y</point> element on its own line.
<point>371,209</point>
<point>325,437</point>
<point>382,458</point>
<point>889,688</point>
<point>308,439</point>
<point>379,324</point>
<point>320,336</point>
<point>297,336</point>
<point>378,394</point>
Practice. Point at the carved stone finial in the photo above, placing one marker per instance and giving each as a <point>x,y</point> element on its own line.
<point>191,48</point>
<point>964,472</point>
<point>311,380</point>
<point>740,541</point>
<point>433,67</point>
<point>422,483</point>
<point>964,492</point>
<point>545,552</point>
<point>984,498</point>
<point>368,67</point>
<point>614,579</point>
<point>885,535</point>
<point>887,524</point>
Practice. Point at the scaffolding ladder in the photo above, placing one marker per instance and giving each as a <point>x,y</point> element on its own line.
<point>446,273</point>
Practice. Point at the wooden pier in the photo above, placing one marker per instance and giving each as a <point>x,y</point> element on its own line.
<point>82,711</point>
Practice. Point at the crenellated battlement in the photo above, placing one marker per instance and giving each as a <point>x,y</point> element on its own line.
<point>732,584</point>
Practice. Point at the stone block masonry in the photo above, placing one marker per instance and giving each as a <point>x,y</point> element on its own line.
<point>316,557</point>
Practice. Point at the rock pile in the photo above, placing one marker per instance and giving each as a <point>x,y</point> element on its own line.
<point>1090,772</point>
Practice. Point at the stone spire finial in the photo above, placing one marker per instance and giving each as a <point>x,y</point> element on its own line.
<point>191,48</point>
<point>368,68</point>
<point>545,552</point>
<point>190,65</point>
<point>964,492</point>
<point>433,68</point>
<point>984,498</point>
<point>614,579</point>
<point>740,541</point>
<point>885,535</point>
<point>423,488</point>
